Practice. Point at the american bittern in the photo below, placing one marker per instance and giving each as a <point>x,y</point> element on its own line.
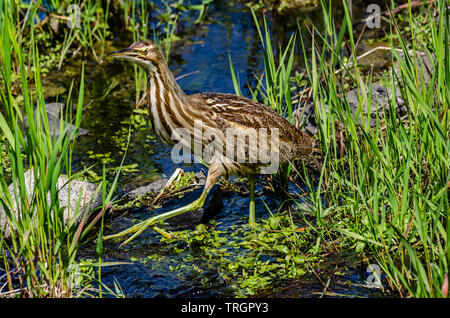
<point>206,121</point>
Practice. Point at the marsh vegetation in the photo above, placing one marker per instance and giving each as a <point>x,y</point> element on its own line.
<point>367,216</point>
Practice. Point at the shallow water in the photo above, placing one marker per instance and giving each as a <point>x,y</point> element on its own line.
<point>205,49</point>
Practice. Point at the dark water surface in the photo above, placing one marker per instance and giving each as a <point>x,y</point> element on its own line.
<point>204,49</point>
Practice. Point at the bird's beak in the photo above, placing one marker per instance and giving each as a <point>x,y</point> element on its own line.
<point>120,53</point>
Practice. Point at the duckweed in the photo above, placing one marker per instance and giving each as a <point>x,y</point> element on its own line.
<point>246,261</point>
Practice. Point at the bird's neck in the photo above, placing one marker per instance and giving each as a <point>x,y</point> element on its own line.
<point>164,74</point>
<point>166,101</point>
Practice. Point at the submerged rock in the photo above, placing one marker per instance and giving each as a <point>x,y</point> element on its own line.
<point>67,199</point>
<point>288,5</point>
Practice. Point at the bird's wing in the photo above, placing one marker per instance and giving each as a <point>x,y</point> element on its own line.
<point>243,111</point>
<point>239,116</point>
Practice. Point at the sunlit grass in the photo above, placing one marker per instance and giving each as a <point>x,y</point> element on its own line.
<point>381,189</point>
<point>40,254</point>
<point>389,188</point>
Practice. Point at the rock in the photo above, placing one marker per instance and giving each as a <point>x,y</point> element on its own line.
<point>386,92</point>
<point>77,188</point>
<point>201,176</point>
<point>53,115</point>
<point>381,97</point>
<point>302,207</point>
<point>377,60</point>
<point>154,188</point>
<point>380,103</point>
<point>309,116</point>
<point>139,180</point>
<point>424,66</point>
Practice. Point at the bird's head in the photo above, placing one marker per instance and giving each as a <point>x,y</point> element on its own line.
<point>143,53</point>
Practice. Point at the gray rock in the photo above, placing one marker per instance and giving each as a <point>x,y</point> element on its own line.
<point>378,104</point>
<point>424,66</point>
<point>201,176</point>
<point>381,95</point>
<point>309,117</point>
<point>67,199</point>
<point>381,98</point>
<point>53,111</point>
<point>302,207</point>
<point>153,188</point>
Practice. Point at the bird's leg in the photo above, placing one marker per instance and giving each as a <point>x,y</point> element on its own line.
<point>251,217</point>
<point>284,179</point>
<point>137,229</point>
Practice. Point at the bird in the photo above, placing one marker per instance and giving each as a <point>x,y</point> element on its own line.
<point>202,124</point>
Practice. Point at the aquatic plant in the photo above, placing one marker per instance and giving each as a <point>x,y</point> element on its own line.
<point>248,262</point>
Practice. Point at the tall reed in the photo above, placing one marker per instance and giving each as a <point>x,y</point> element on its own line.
<point>41,251</point>
<point>386,186</point>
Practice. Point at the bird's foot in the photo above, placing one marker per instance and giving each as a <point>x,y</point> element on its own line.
<point>138,229</point>
<point>142,226</point>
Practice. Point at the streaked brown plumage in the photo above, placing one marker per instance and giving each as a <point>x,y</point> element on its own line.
<point>171,109</point>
